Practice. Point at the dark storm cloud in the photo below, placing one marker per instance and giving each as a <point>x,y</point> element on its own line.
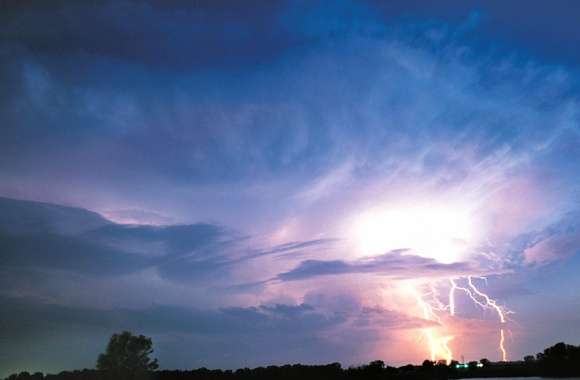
<point>68,254</point>
<point>65,59</point>
<point>35,317</point>
<point>41,236</point>
<point>174,240</point>
<point>32,325</point>
<point>117,105</point>
<point>171,35</point>
<point>242,113</point>
<point>188,34</point>
<point>89,85</point>
<point>395,264</point>
<point>267,333</point>
<point>46,236</point>
<point>31,237</point>
<point>50,237</point>
<point>23,218</point>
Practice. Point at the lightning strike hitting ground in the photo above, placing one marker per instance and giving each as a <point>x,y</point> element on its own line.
<point>501,345</point>
<point>441,225</point>
<point>438,345</point>
<point>431,308</point>
<point>488,303</point>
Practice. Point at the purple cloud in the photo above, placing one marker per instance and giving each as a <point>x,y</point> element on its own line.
<point>396,264</point>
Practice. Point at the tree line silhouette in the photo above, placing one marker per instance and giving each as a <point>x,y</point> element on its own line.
<point>127,357</point>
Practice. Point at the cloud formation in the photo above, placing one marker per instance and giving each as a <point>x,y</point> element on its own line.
<point>269,331</point>
<point>397,264</point>
<point>239,142</point>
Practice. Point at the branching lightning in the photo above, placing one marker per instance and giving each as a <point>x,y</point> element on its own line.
<point>501,345</point>
<point>485,302</point>
<point>432,308</point>
<point>434,227</point>
<point>489,303</point>
<point>438,345</point>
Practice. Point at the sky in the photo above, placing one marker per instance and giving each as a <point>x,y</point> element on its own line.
<point>256,183</point>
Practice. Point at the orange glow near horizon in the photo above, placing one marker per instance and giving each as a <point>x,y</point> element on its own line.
<point>437,343</point>
<point>437,338</point>
<point>441,231</point>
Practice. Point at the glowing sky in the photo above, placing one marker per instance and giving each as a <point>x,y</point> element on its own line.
<point>277,182</point>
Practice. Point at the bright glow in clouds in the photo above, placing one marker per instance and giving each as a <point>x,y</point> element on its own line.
<point>441,232</point>
<point>437,343</point>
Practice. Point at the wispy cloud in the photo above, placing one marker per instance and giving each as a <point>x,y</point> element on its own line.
<point>396,264</point>
<point>240,141</point>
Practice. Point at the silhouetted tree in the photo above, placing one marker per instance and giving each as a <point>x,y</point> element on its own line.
<point>485,362</point>
<point>428,364</point>
<point>124,349</point>
<point>377,364</point>
<point>560,360</point>
<point>127,356</point>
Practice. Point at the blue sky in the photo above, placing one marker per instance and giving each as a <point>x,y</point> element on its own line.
<point>250,174</point>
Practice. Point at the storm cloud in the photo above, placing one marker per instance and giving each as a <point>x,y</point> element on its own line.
<point>395,264</point>
<point>193,170</point>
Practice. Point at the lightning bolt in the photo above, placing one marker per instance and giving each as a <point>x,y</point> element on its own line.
<point>501,345</point>
<point>452,296</point>
<point>484,301</point>
<point>489,303</point>
<point>438,345</point>
<point>432,309</point>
